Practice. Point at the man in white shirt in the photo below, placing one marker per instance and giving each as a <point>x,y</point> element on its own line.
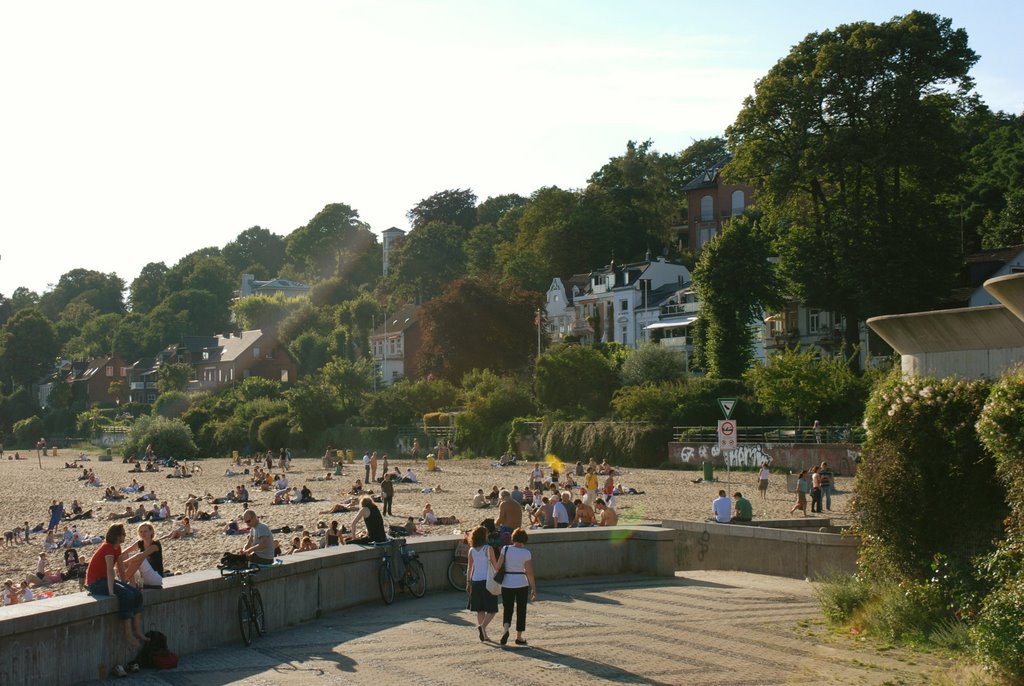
<point>722,507</point>
<point>559,514</point>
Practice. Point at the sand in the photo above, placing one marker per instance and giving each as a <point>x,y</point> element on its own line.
<point>668,494</point>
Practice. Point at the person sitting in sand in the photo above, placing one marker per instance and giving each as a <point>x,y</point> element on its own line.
<point>128,512</point>
<point>307,543</point>
<point>205,516</point>
<point>38,577</point>
<point>183,529</point>
<point>296,546</point>
<point>479,500</point>
<point>429,516</point>
<point>357,488</point>
<point>584,514</point>
<point>410,477</point>
<point>9,593</point>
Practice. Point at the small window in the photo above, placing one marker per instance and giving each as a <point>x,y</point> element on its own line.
<point>623,305</point>
<point>256,352</point>
<point>284,376</point>
<point>206,354</point>
<point>110,371</point>
<point>814,323</point>
<point>738,203</point>
<point>707,208</point>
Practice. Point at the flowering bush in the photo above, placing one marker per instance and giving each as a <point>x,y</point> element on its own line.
<point>925,485</point>
<point>1001,428</point>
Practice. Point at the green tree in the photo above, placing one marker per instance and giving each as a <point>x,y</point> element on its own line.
<point>105,292</point>
<point>492,210</point>
<point>804,386</point>
<point>653,363</point>
<point>455,207</point>
<point>264,311</point>
<point>331,244</point>
<point>576,380</point>
<point>173,377</point>
<point>28,347</point>
<point>255,251</point>
<point>169,437</point>
<point>501,337</point>
<point>995,168</point>
<point>425,261</point>
<point>736,284</point>
<point>149,288</point>
<point>648,402</point>
<point>849,141</point>
<point>1009,229</point>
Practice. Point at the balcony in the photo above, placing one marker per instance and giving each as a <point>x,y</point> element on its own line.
<point>781,339</point>
<point>142,385</point>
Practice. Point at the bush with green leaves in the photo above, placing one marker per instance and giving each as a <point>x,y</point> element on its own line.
<point>652,363</point>
<point>575,381</point>
<point>169,438</point>
<point>91,423</point>
<point>490,403</point>
<point>27,431</point>
<point>841,595</point>
<point>622,443</point>
<point>998,632</point>
<point>649,402</point>
<point>171,404</point>
<point>697,403</point>
<point>908,611</point>
<point>925,485</point>
<point>1001,428</point>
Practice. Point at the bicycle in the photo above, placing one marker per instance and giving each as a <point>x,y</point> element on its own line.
<point>251,618</point>
<point>459,566</point>
<point>413,577</point>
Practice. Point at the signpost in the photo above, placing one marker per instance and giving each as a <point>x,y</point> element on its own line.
<point>728,432</point>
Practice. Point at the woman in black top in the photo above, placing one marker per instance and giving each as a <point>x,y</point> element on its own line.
<point>374,522</point>
<point>333,534</point>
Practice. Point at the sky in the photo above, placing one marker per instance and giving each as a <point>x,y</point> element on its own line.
<point>136,132</point>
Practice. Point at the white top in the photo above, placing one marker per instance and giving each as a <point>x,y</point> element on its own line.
<point>764,474</point>
<point>559,512</point>
<point>723,509</point>
<point>515,567</point>
<point>480,562</point>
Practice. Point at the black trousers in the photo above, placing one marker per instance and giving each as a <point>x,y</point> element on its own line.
<point>517,598</point>
<point>387,500</point>
<point>816,500</point>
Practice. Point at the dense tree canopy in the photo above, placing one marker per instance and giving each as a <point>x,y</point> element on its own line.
<point>849,140</point>
<point>256,251</point>
<point>28,347</point>
<point>104,292</point>
<point>456,207</point>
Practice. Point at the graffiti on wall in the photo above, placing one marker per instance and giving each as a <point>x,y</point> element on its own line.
<point>794,456</point>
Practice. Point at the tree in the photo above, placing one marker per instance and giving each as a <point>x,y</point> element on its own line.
<point>105,292</point>
<point>653,363</point>
<point>995,168</point>
<point>491,211</point>
<point>333,243</point>
<point>803,386</point>
<point>28,347</point>
<point>1009,229</point>
<point>849,141</point>
<point>476,325</point>
<point>456,207</point>
<point>425,262</point>
<point>255,251</point>
<point>149,288</point>
<point>736,284</point>
<point>173,377</point>
<point>575,380</point>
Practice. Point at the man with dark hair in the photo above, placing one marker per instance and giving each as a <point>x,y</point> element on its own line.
<point>744,510</point>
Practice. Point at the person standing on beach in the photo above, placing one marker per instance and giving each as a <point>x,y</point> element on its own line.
<point>387,492</point>
<point>762,481</point>
<point>373,466</point>
<point>803,487</point>
<point>366,468</point>
<point>827,485</point>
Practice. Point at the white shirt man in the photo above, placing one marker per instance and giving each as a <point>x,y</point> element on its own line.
<point>722,507</point>
<point>560,515</point>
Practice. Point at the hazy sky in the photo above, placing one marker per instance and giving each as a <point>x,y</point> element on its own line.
<point>136,132</point>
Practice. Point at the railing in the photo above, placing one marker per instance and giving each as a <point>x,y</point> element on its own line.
<point>772,434</point>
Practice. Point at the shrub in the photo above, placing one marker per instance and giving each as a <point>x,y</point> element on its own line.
<point>1001,428</point>
<point>840,596</point>
<point>998,632</point>
<point>647,403</point>
<point>27,431</point>
<point>169,438</point>
<point>924,485</point>
<point>171,404</point>
<point>628,444</point>
<point>274,432</point>
<point>908,611</point>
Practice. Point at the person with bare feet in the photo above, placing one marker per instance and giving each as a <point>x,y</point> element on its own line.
<point>101,580</point>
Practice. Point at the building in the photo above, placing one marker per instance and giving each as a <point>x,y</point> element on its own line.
<point>91,380</point>
<point>711,203</point>
<point>388,238</point>
<point>292,289</point>
<point>613,304</point>
<point>978,268</point>
<point>395,344</point>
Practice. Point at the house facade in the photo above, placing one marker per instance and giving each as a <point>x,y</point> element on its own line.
<point>395,344</point>
<point>711,203</point>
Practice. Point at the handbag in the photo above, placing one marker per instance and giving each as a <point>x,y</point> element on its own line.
<point>493,587</point>
<point>499,575</point>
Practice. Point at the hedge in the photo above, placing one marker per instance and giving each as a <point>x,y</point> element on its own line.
<point>630,444</point>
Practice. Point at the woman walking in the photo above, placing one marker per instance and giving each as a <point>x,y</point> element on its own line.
<point>481,558</point>
<point>803,487</point>
<point>100,580</point>
<point>518,585</point>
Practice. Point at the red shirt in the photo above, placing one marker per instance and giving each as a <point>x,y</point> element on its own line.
<point>98,564</point>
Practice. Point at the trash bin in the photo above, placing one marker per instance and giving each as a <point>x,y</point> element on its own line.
<point>792,482</point>
<point>709,471</point>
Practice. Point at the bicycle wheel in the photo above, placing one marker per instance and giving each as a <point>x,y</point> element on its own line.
<point>457,574</point>
<point>258,617</point>
<point>386,583</point>
<point>415,578</point>
<point>245,620</point>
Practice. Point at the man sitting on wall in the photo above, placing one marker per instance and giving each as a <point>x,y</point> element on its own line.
<point>722,508</point>
<point>744,510</point>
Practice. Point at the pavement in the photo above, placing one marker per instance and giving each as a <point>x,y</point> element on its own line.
<point>728,628</point>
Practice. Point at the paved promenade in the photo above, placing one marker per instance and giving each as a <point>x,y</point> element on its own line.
<point>727,628</point>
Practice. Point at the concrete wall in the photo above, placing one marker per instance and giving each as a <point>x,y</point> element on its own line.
<point>762,550</point>
<point>75,638</point>
<point>841,457</point>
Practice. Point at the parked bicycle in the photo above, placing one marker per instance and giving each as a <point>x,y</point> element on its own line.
<point>411,575</point>
<point>459,566</point>
<point>250,604</point>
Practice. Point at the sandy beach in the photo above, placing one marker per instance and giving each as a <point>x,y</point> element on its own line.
<point>667,494</point>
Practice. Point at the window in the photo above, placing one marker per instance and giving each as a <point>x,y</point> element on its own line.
<point>623,305</point>
<point>124,371</point>
<point>555,299</point>
<point>704,236</point>
<point>624,330</point>
<point>707,208</point>
<point>256,352</point>
<point>284,376</point>
<point>245,373</point>
<point>110,370</point>
<point>814,321</point>
<point>206,354</point>
<point>738,203</point>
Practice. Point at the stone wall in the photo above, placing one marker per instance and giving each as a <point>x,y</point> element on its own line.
<point>842,457</point>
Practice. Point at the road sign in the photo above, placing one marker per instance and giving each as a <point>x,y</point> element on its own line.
<point>727,405</point>
<point>727,431</point>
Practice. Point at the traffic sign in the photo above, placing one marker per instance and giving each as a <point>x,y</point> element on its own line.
<point>727,431</point>
<point>727,405</point>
